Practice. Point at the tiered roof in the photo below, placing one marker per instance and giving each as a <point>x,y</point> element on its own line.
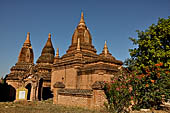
<point>47,54</point>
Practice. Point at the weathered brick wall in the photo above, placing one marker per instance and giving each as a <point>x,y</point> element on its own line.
<point>68,76</point>
<point>94,101</point>
<point>70,100</point>
<point>99,98</point>
<point>86,81</point>
<point>72,80</point>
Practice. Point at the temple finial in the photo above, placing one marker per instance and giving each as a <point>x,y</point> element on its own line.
<point>78,45</point>
<point>28,38</point>
<point>57,54</point>
<point>105,44</point>
<point>82,18</point>
<point>49,35</point>
<point>105,48</point>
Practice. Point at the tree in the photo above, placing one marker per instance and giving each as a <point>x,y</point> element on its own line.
<point>150,62</point>
<point>153,46</point>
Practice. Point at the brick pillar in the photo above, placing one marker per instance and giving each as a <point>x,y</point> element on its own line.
<point>55,96</point>
<point>57,86</point>
<point>99,97</point>
<point>37,93</point>
<point>32,93</point>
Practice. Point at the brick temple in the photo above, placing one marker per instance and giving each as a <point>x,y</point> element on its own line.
<point>76,78</point>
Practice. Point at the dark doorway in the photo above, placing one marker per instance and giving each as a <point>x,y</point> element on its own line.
<point>47,93</point>
<point>29,91</point>
<point>40,89</point>
<point>11,93</point>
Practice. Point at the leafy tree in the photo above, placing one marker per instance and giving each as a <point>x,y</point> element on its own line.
<point>153,46</point>
<point>150,62</point>
<point>147,84</point>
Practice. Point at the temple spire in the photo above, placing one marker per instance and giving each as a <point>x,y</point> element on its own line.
<point>47,54</point>
<point>27,41</point>
<point>26,54</point>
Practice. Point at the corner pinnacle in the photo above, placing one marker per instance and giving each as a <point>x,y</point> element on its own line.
<point>57,54</point>
<point>105,48</point>
<point>49,35</point>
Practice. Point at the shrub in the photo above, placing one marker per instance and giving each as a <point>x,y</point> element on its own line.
<point>139,89</point>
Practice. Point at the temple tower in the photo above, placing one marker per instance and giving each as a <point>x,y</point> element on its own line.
<point>47,54</point>
<point>26,54</point>
<point>82,38</point>
<point>22,68</point>
<point>44,66</point>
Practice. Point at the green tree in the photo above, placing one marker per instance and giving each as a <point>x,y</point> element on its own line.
<point>153,46</point>
<point>150,61</point>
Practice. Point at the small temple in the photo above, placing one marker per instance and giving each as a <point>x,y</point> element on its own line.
<point>76,78</point>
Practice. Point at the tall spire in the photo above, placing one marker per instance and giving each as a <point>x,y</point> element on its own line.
<point>26,54</point>
<point>27,41</point>
<point>83,34</point>
<point>47,54</point>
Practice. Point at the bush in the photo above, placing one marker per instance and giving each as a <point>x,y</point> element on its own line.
<point>151,87</point>
<point>118,93</point>
<point>140,89</point>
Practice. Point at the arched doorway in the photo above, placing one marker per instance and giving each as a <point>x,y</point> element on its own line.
<point>40,89</point>
<point>28,86</point>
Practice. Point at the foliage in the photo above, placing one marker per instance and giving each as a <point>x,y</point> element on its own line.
<point>138,90</point>
<point>2,81</point>
<point>148,83</point>
<point>150,63</point>
<point>151,88</point>
<point>118,93</point>
<point>153,46</point>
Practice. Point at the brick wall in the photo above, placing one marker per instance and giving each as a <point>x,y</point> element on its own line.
<point>94,101</point>
<point>67,76</point>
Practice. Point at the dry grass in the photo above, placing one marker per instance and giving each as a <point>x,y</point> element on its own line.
<point>41,107</point>
<point>48,107</point>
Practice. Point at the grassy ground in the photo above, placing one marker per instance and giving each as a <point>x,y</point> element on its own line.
<point>41,107</point>
<point>48,107</point>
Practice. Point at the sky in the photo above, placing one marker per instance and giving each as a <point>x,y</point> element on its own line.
<point>113,21</point>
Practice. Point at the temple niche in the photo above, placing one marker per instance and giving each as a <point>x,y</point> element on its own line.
<point>75,79</point>
<point>78,76</point>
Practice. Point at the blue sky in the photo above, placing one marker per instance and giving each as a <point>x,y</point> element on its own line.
<point>111,20</point>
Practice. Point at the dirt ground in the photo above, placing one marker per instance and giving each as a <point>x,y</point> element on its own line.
<point>48,107</point>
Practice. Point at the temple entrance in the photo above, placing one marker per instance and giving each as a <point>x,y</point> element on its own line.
<point>11,93</point>
<point>29,91</point>
<point>47,93</point>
